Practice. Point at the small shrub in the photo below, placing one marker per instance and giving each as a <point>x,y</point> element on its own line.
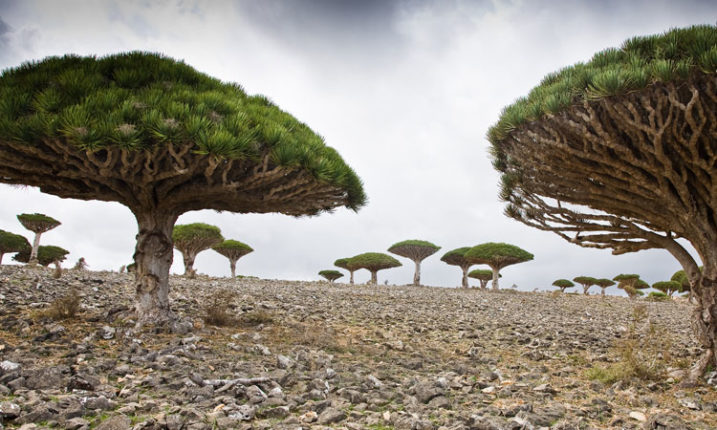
<point>217,311</point>
<point>608,375</point>
<point>66,307</point>
<point>255,318</point>
<point>657,296</point>
<point>644,352</point>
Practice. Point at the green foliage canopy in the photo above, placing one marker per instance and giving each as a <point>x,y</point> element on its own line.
<point>144,102</point>
<point>196,235</point>
<point>232,249</point>
<point>414,249</point>
<point>563,283</point>
<point>457,257</point>
<point>11,242</point>
<point>640,61</point>
<point>481,274</point>
<point>497,255</point>
<point>38,223</point>
<point>331,275</point>
<point>46,255</point>
<point>373,261</point>
<point>668,287</point>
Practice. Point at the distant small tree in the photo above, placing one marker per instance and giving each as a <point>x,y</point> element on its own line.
<point>46,255</point>
<point>191,239</point>
<point>233,250</point>
<point>482,275</point>
<point>631,284</point>
<point>457,257</point>
<point>604,283</point>
<point>563,284</point>
<point>668,287</point>
<point>586,282</point>
<point>81,264</point>
<point>416,250</point>
<point>345,263</point>
<point>331,275</point>
<point>497,256</point>
<point>681,277</point>
<point>11,242</point>
<point>373,262</point>
<point>38,224</point>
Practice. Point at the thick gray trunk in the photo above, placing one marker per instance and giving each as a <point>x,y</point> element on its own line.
<point>417,273</point>
<point>233,267</point>
<point>153,258</point>
<point>464,282</point>
<point>704,321</point>
<point>352,277</point>
<point>1,254</point>
<point>586,288</point>
<point>483,284</point>
<point>496,275</point>
<point>188,258</point>
<point>35,247</point>
<point>374,277</point>
<point>602,293</point>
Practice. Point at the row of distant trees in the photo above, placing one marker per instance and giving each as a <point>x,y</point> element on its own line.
<point>630,283</point>
<point>494,255</point>
<point>189,239</point>
<point>11,243</point>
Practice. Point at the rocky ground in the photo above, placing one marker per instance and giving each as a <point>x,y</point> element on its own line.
<point>312,355</point>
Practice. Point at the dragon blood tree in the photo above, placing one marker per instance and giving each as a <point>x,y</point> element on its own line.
<point>668,287</point>
<point>482,275</point>
<point>416,250</point>
<point>46,255</point>
<point>681,277</point>
<point>456,257</point>
<point>331,275</point>
<point>373,262</point>
<point>11,242</point>
<point>162,139</point>
<point>497,256</point>
<point>38,224</point>
<point>619,153</point>
<point>604,283</point>
<point>345,263</point>
<point>631,284</point>
<point>191,239</point>
<point>563,284</point>
<point>586,282</point>
<point>233,250</point>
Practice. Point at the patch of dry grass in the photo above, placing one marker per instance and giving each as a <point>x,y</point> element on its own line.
<point>218,309</point>
<point>63,308</point>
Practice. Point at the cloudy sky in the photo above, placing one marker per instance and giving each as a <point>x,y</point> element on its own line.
<point>405,90</point>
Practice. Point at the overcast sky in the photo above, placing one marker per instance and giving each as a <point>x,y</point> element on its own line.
<point>405,90</point>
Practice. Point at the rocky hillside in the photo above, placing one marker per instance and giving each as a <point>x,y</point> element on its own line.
<point>298,355</point>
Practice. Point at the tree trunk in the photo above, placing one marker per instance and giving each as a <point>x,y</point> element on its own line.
<point>483,284</point>
<point>352,277</point>
<point>464,283</point>
<point>496,275</point>
<point>153,258</point>
<point>35,247</point>
<point>602,293</point>
<point>585,289</point>
<point>704,321</point>
<point>1,254</point>
<point>189,264</point>
<point>417,273</point>
<point>233,267</point>
<point>374,277</point>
